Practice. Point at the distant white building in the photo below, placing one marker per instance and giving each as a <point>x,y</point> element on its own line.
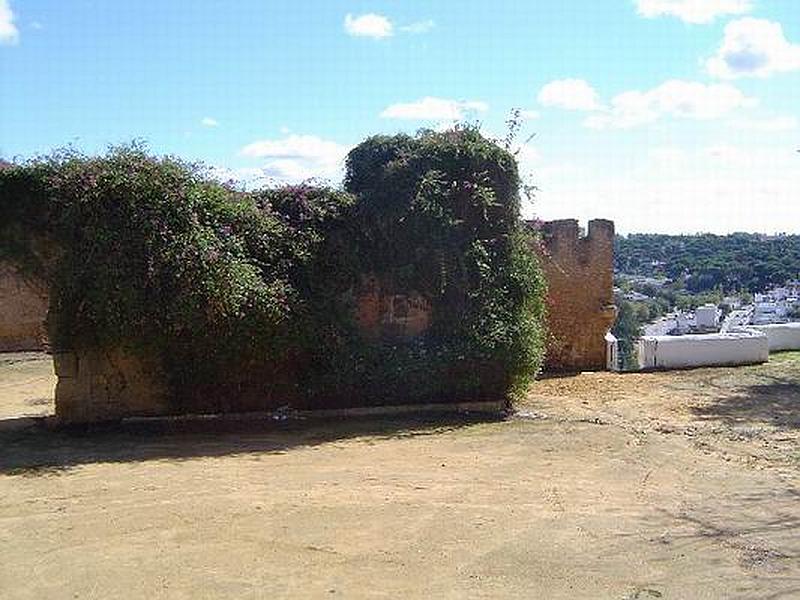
<point>741,317</point>
<point>770,312</point>
<point>775,305</point>
<point>634,296</point>
<point>707,316</point>
<point>774,295</point>
<point>734,302</point>
<point>662,326</point>
<point>683,323</point>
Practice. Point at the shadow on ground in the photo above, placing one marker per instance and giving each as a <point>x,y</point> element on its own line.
<point>764,544</point>
<point>776,403</point>
<point>30,447</point>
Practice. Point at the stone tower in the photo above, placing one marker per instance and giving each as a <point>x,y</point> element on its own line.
<point>580,301</point>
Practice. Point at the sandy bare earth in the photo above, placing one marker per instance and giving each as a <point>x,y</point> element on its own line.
<point>671,485</point>
<point>27,382</point>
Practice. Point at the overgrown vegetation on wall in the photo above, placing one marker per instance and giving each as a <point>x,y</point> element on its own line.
<point>250,294</point>
<point>438,213</point>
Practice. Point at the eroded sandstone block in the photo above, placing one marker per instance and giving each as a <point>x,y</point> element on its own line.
<point>107,384</point>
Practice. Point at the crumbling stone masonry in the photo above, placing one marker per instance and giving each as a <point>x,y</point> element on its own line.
<point>23,309</point>
<point>383,314</point>
<point>112,383</point>
<point>100,385</point>
<point>580,302</point>
<point>109,384</point>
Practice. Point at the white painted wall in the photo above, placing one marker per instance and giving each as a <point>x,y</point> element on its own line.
<point>612,352</point>
<point>784,336</point>
<point>716,349</point>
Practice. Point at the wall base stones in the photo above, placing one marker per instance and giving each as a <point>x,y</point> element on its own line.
<point>103,385</point>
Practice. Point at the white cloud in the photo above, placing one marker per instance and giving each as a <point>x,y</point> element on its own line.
<point>676,98</point>
<point>693,11</point>
<point>753,48</point>
<point>773,124</point>
<point>528,159</point>
<point>720,188</point>
<point>726,155</point>
<point>671,159</point>
<point>249,177</point>
<point>209,122</point>
<point>529,115</point>
<point>433,109</point>
<point>667,155</point>
<point>419,26</point>
<point>570,94</point>
<point>298,157</point>
<point>368,25</point>
<point>9,34</point>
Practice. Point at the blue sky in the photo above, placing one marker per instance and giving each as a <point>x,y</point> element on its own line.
<point>664,115</point>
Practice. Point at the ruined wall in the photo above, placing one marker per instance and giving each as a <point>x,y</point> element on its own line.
<point>580,278</point>
<point>23,310</point>
<point>107,384</point>
<point>95,385</point>
<point>383,312</point>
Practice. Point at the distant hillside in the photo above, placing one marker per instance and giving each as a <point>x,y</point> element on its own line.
<point>737,261</point>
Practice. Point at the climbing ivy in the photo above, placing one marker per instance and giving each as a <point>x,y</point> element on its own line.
<point>251,294</point>
<point>438,213</point>
<point>152,254</point>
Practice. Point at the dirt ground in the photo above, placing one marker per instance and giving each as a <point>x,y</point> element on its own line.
<point>667,485</point>
<point>27,382</point>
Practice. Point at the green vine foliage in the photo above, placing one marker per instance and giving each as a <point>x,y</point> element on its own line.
<point>152,255</point>
<point>246,299</point>
<point>438,213</point>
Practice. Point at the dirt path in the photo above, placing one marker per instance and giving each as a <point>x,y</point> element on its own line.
<point>679,485</point>
<point>27,382</point>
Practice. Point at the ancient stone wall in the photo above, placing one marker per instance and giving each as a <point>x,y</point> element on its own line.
<point>580,274</point>
<point>385,313</point>
<point>23,310</point>
<point>103,384</point>
<point>107,384</point>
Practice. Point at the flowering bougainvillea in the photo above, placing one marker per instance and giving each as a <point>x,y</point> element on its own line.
<point>250,293</point>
